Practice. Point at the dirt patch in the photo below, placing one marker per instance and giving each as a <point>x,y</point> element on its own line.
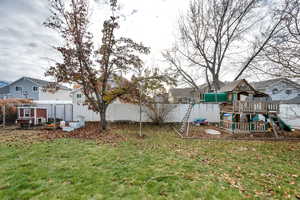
<point>198,132</point>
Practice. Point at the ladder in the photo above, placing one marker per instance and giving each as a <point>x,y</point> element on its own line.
<point>185,121</point>
<point>273,123</point>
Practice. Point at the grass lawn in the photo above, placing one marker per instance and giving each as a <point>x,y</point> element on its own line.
<point>160,166</point>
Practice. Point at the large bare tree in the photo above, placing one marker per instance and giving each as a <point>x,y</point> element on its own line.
<point>283,52</point>
<point>214,35</point>
<point>98,71</point>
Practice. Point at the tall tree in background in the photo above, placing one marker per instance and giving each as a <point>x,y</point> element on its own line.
<point>98,72</point>
<point>215,34</point>
<point>283,51</point>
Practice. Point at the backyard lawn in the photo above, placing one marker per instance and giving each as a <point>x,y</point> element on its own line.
<point>159,166</point>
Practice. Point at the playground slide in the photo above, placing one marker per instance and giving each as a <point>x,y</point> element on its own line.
<point>282,124</point>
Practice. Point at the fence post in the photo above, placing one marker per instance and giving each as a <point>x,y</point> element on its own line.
<point>4,117</point>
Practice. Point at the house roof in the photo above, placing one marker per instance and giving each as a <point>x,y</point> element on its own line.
<point>204,87</point>
<point>3,83</point>
<point>42,83</point>
<point>182,92</point>
<point>262,85</point>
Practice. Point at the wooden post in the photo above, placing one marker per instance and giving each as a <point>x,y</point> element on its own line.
<point>140,104</point>
<point>4,117</point>
<point>54,113</point>
<point>64,112</point>
<point>188,128</point>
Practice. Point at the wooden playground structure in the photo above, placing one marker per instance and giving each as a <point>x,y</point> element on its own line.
<point>242,110</point>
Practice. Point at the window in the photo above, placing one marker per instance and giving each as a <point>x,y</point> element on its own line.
<point>35,88</point>
<point>27,112</point>
<point>288,91</point>
<point>275,91</point>
<point>18,88</point>
<point>78,96</point>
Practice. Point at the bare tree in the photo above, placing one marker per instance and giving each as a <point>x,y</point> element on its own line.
<point>214,33</point>
<point>159,112</point>
<point>98,72</point>
<point>283,51</point>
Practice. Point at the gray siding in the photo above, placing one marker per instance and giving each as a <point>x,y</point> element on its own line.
<point>27,87</point>
<point>4,91</point>
<point>282,94</point>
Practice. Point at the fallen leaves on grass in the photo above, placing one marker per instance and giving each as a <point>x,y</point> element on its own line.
<point>89,132</point>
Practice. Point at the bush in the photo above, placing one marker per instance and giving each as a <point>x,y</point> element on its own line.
<point>11,114</point>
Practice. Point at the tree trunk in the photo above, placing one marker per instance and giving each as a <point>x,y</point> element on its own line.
<point>103,122</point>
<point>216,83</point>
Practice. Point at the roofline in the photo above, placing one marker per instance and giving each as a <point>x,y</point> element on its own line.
<point>24,77</point>
<point>278,80</point>
<point>29,79</point>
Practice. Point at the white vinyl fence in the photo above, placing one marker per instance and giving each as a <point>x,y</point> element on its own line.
<point>130,112</point>
<point>60,111</point>
<point>290,114</point>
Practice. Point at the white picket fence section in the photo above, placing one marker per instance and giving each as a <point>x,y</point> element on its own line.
<point>130,112</point>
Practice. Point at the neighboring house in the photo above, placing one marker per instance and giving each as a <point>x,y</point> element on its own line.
<point>280,89</point>
<point>3,83</point>
<point>182,95</point>
<point>186,95</point>
<point>35,89</point>
<point>78,96</point>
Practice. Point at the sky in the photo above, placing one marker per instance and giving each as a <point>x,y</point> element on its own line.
<point>26,46</point>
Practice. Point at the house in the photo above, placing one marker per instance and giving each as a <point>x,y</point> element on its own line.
<point>79,98</point>
<point>3,83</point>
<point>280,89</point>
<point>182,95</point>
<point>187,95</point>
<point>35,89</point>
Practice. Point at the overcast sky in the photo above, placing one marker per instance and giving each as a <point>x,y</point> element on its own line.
<point>25,45</point>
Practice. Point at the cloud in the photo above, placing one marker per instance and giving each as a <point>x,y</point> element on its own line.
<point>23,39</point>
<point>26,45</point>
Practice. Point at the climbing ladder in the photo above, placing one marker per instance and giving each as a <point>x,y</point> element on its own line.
<point>273,122</point>
<point>185,121</point>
